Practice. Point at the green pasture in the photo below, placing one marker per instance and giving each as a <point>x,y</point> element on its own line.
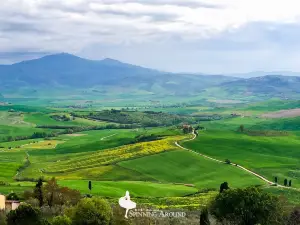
<point>136,188</point>
<point>41,119</point>
<point>268,156</point>
<point>186,167</point>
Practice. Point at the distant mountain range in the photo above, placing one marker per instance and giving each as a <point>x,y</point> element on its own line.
<point>104,77</point>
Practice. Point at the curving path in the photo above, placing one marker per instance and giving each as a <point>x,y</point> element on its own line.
<point>107,137</point>
<point>233,164</point>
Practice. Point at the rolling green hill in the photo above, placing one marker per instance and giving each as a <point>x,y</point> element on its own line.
<point>268,156</point>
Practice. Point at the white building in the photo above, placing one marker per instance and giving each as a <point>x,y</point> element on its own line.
<point>7,204</point>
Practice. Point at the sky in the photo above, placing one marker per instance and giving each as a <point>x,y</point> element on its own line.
<point>198,36</point>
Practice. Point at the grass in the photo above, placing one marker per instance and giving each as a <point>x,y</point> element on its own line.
<point>86,156</point>
<point>273,105</point>
<point>41,119</point>
<point>136,188</point>
<point>292,196</point>
<point>185,167</point>
<point>268,156</point>
<point>9,164</point>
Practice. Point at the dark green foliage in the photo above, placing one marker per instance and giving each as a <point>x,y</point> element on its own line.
<point>285,183</point>
<point>276,180</point>
<point>91,211</point>
<point>24,215</point>
<point>224,186</point>
<point>12,196</point>
<point>60,118</point>
<point>290,183</point>
<point>145,138</point>
<point>90,185</point>
<point>294,218</point>
<point>38,192</point>
<point>204,220</point>
<point>227,161</point>
<point>147,119</point>
<point>35,135</point>
<point>248,206</point>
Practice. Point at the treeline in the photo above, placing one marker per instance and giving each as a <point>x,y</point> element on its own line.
<point>35,135</point>
<point>146,119</point>
<point>61,118</point>
<point>51,204</point>
<point>145,138</point>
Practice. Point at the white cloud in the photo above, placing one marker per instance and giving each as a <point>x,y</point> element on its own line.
<point>74,25</point>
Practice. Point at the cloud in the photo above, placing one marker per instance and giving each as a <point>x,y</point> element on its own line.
<point>212,31</point>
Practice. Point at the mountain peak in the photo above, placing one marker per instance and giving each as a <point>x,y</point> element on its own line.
<point>62,55</point>
<point>112,62</point>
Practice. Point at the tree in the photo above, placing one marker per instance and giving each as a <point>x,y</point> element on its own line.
<point>90,185</point>
<point>276,180</point>
<point>56,195</point>
<point>224,186</point>
<point>91,211</point>
<point>12,196</point>
<point>242,128</point>
<point>290,183</point>
<point>61,220</point>
<point>38,192</point>
<point>285,182</point>
<point>24,215</point>
<point>67,196</point>
<point>248,206</point>
<point>227,161</point>
<point>50,190</point>
<point>204,220</point>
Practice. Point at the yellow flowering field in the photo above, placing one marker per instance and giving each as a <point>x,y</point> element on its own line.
<point>113,156</point>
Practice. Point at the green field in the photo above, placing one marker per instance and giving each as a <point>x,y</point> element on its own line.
<point>268,156</point>
<point>136,188</point>
<point>41,119</point>
<point>203,173</point>
<point>156,171</point>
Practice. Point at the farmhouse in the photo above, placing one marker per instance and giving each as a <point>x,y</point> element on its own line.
<point>8,205</point>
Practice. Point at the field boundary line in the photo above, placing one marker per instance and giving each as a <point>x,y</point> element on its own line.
<point>232,164</point>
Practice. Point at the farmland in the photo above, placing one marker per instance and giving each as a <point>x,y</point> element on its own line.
<point>144,159</point>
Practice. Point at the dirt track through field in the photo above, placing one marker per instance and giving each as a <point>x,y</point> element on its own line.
<point>108,137</point>
<point>233,164</point>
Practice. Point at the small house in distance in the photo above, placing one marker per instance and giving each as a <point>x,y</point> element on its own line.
<point>8,205</point>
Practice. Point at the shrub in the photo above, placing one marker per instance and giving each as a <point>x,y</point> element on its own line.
<point>24,215</point>
<point>227,161</point>
<point>12,196</point>
<point>2,218</point>
<point>33,202</point>
<point>224,186</point>
<point>61,220</point>
<point>248,206</point>
<point>91,211</point>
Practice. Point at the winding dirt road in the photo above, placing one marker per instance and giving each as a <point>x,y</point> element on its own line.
<point>232,164</point>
